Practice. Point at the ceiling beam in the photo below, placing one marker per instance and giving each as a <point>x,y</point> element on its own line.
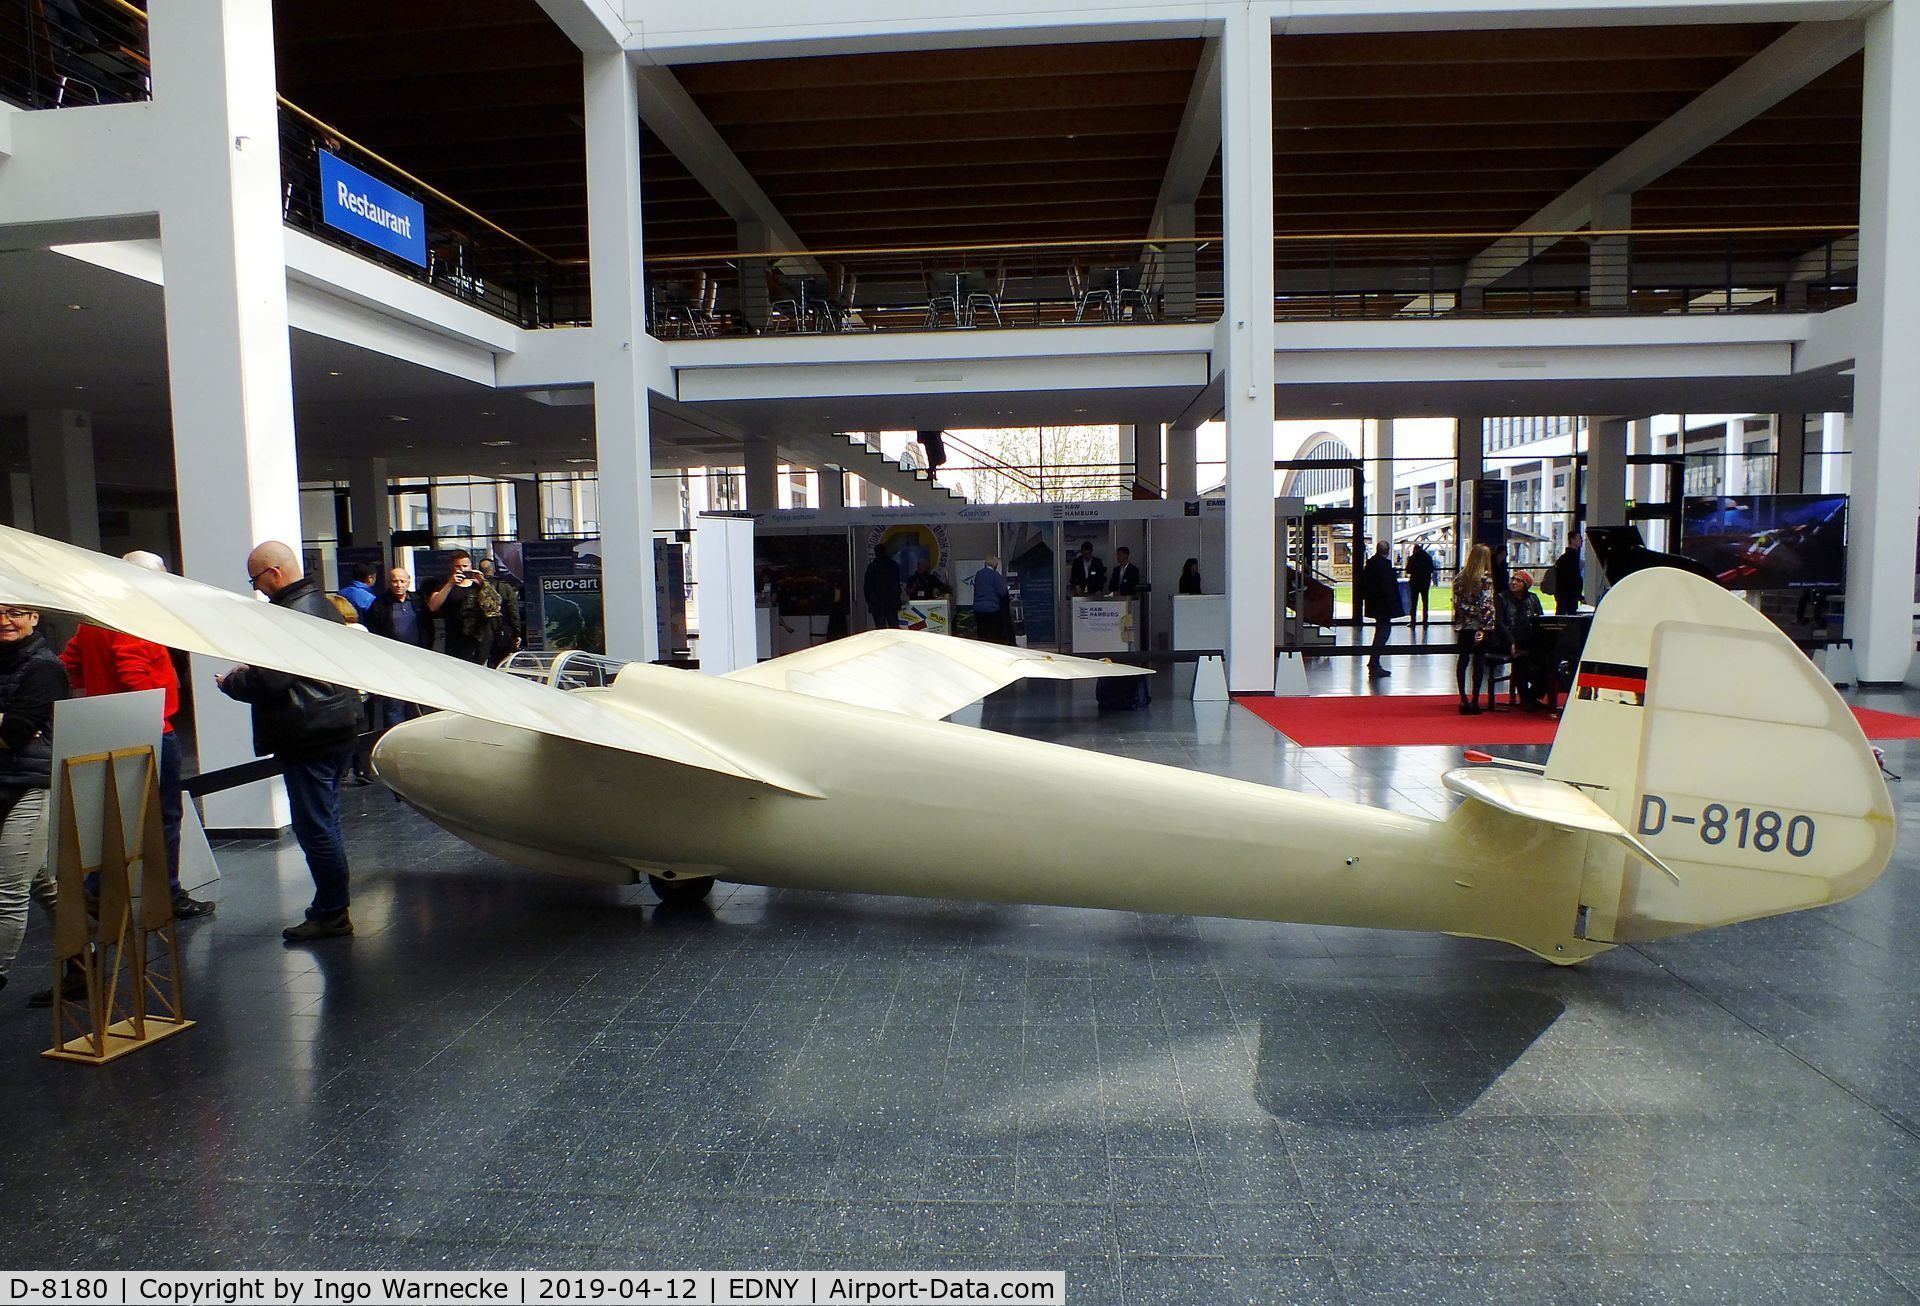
<point>671,115</point>
<point>1195,146</point>
<point>1804,53</point>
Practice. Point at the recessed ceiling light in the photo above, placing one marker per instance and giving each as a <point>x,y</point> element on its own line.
<point>79,387</point>
<point>486,412</point>
<point>495,444</point>
<point>579,460</point>
<point>395,417</point>
<point>333,374</point>
<point>78,308</point>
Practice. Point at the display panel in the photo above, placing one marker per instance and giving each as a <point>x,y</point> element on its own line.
<point>1769,541</point>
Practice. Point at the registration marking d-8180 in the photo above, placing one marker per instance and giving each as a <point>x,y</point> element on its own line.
<point>1762,829</point>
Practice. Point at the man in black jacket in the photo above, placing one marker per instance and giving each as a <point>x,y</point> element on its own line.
<point>1380,592</point>
<point>881,589</point>
<point>309,726</point>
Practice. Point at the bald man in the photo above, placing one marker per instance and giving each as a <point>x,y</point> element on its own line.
<point>101,661</point>
<point>310,727</point>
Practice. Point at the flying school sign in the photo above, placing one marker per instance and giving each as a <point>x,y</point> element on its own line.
<point>371,211</point>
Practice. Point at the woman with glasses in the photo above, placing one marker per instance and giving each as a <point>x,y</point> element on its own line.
<point>31,682</point>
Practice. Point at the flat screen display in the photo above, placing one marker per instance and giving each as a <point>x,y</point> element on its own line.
<point>1769,541</point>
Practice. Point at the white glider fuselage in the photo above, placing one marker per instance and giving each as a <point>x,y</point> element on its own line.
<point>932,809</point>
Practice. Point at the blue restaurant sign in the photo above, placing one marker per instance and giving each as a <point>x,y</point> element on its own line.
<point>371,210</point>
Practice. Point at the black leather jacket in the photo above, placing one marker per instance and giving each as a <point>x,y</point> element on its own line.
<point>31,682</point>
<point>290,715</point>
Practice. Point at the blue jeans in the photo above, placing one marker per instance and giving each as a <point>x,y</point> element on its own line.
<point>313,791</point>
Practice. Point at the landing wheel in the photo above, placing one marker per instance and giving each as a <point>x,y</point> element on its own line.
<point>679,893</point>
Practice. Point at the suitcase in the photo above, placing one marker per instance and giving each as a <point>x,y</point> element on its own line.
<point>1122,693</point>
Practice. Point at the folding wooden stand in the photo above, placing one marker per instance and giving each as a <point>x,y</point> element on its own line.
<point>131,955</point>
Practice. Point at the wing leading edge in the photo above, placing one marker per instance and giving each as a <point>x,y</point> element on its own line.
<point>198,618</point>
<point>916,674</point>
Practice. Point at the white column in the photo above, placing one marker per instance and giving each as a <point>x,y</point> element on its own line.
<point>223,250</point>
<point>371,505</point>
<point>621,347</point>
<point>1609,270</point>
<point>1886,387</point>
<point>762,459</point>
<point>1379,524</point>
<point>1606,489</point>
<point>1183,471</point>
<point>1640,479</point>
<point>66,502</point>
<point>1246,149</point>
<point>833,487</point>
<point>1836,443</point>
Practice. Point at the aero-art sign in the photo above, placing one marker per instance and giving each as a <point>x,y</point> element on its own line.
<point>371,211</point>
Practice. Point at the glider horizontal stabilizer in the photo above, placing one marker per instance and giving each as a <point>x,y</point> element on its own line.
<point>917,674</point>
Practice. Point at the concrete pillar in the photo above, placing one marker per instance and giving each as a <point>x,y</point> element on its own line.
<point>1469,463</point>
<point>763,475</point>
<point>1886,387</point>
<point>1379,488</point>
<point>1183,472</point>
<point>1836,441</point>
<point>669,512</point>
<point>622,351</point>
<point>66,503</point>
<point>20,500</point>
<point>1790,440</point>
<point>1246,160</point>
<point>223,249</point>
<point>1641,480</point>
<point>529,521</point>
<point>833,487</point>
<point>1179,283</point>
<point>755,274</point>
<point>371,505</point>
<point>1606,489</point>
<point>1609,258</point>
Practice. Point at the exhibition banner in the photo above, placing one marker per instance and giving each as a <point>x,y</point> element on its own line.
<point>564,616</point>
<point>371,211</point>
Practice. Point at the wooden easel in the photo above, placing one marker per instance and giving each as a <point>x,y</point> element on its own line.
<point>132,961</point>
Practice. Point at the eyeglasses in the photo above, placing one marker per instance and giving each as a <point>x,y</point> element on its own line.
<point>253,578</point>
<point>17,614</point>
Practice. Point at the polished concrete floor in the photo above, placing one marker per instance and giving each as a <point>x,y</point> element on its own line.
<point>505,1069</point>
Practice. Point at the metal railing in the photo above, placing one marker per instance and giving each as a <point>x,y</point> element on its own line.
<point>929,288</point>
<point>1317,277</point>
<point>1605,272</point>
<point>469,256</point>
<point>56,54</point>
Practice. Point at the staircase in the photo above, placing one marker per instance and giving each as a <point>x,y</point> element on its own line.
<point>852,453</point>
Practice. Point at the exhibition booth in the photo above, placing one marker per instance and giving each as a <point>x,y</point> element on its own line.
<point>809,565</point>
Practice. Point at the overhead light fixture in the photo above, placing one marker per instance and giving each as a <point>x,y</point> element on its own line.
<point>333,374</point>
<point>579,460</point>
<point>78,308</point>
<point>495,444</point>
<point>79,387</point>
<point>486,412</point>
<point>396,417</point>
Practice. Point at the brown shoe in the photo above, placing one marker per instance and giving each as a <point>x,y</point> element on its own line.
<point>319,927</point>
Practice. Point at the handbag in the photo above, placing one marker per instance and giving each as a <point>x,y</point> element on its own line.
<point>317,708</point>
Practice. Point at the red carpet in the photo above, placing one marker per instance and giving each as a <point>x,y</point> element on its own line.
<point>1380,720</point>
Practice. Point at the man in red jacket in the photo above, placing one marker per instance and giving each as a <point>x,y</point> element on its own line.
<point>103,661</point>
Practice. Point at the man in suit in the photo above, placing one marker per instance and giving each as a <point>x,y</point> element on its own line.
<point>1124,578</point>
<point>1089,574</point>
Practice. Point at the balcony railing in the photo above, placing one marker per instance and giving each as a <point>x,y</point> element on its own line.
<point>56,54</point>
<point>1316,278</point>
<point>468,256</point>
<point>924,288</point>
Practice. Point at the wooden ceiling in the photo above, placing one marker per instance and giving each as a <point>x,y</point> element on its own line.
<point>1466,131</point>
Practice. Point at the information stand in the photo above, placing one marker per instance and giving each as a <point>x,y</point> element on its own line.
<point>131,953</point>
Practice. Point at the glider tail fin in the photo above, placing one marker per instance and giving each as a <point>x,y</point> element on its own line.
<point>1705,733</point>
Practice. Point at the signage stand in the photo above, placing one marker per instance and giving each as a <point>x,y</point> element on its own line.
<point>131,954</point>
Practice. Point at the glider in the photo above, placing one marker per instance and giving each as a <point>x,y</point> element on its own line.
<point>1703,773</point>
